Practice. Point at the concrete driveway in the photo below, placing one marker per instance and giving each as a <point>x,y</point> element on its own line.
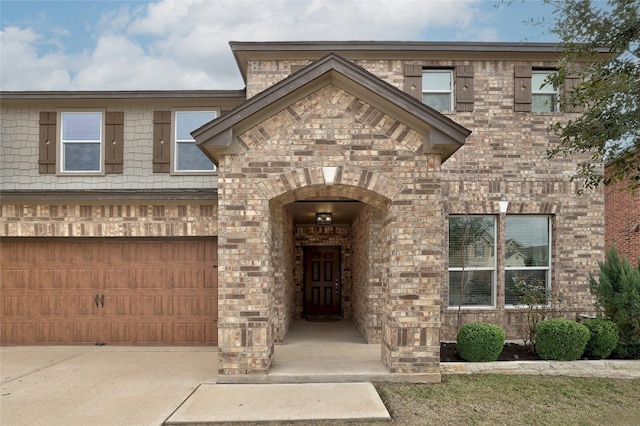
<point>99,385</point>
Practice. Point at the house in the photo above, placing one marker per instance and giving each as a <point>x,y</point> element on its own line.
<point>622,224</point>
<point>325,189</point>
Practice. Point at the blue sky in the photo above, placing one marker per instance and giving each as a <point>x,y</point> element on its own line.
<point>183,44</point>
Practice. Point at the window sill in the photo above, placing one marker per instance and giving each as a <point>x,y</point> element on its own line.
<point>473,308</point>
<point>80,174</point>
<point>187,173</point>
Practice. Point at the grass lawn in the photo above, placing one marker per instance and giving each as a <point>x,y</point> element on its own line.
<point>493,399</point>
<point>514,400</point>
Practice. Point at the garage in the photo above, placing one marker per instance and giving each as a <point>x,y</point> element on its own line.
<point>142,291</point>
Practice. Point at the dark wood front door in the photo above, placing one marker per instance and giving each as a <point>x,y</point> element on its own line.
<point>322,280</point>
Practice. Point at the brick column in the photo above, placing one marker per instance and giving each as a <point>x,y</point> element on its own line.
<point>245,286</point>
<point>411,322</point>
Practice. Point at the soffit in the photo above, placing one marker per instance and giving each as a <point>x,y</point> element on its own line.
<point>441,134</point>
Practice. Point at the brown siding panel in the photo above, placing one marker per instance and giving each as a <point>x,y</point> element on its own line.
<point>522,88</point>
<point>47,143</point>
<point>161,141</point>
<point>464,88</point>
<point>413,80</point>
<point>114,142</point>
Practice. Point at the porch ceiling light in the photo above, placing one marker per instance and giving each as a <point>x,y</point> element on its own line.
<point>324,219</point>
<point>329,174</point>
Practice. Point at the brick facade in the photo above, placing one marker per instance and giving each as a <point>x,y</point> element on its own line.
<point>623,221</point>
<point>109,220</point>
<point>404,162</point>
<point>280,165</point>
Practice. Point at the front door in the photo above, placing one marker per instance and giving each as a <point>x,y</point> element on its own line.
<point>321,280</point>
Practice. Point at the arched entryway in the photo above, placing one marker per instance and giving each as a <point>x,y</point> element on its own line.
<point>331,131</point>
<point>355,235</point>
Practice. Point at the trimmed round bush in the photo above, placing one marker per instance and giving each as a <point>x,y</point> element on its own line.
<point>561,339</point>
<point>603,340</point>
<point>480,342</point>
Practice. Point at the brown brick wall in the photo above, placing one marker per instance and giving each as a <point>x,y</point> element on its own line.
<point>504,159</point>
<point>108,220</point>
<point>367,297</point>
<point>280,163</point>
<point>623,220</point>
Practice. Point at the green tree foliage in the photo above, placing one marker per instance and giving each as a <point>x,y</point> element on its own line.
<point>617,293</point>
<point>609,92</point>
<point>604,338</point>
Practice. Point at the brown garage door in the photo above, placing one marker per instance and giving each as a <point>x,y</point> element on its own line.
<point>117,291</point>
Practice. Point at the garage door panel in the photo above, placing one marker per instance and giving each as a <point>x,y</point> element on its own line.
<point>185,305</point>
<point>57,279</point>
<point>16,306</point>
<point>150,334</point>
<point>147,291</point>
<point>17,332</point>
<point>211,279</point>
<point>115,305</point>
<point>115,278</point>
<point>147,306</point>
<point>187,333</point>
<point>146,252</point>
<point>186,278</point>
<point>14,279</point>
<point>121,332</point>
<point>185,252</point>
<point>147,278</point>
<point>211,306</point>
<point>211,333</point>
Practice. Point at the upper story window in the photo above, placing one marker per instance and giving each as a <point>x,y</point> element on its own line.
<point>532,94</point>
<point>81,137</point>
<point>437,89</point>
<point>188,157</point>
<point>544,97</point>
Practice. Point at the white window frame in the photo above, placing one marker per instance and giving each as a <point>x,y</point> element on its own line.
<point>546,90</point>
<point>493,268</point>
<point>176,142</point>
<point>531,268</point>
<point>64,143</point>
<point>449,90</point>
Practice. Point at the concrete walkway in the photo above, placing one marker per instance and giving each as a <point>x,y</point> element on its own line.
<point>320,372</point>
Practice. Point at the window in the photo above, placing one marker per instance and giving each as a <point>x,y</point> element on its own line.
<point>437,89</point>
<point>188,157</point>
<point>544,97</point>
<point>81,139</point>
<point>527,253</point>
<point>471,268</point>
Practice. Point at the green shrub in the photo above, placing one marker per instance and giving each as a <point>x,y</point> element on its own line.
<point>603,339</point>
<point>480,342</point>
<point>617,293</point>
<point>561,339</point>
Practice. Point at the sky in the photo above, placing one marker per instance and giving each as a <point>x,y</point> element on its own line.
<point>184,44</point>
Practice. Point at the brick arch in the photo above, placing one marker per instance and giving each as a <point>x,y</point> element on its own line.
<point>352,182</point>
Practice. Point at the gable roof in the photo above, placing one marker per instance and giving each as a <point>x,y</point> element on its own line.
<point>441,134</point>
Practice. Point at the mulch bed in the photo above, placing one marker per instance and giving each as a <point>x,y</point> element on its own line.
<point>510,352</point>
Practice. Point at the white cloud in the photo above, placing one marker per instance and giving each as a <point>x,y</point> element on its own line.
<point>22,68</point>
<point>184,44</point>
